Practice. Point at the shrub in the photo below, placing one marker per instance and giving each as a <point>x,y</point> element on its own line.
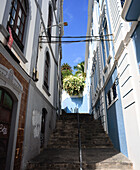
<point>74,85</point>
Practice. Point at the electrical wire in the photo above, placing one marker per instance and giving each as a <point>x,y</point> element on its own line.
<point>78,36</point>
<point>77,41</point>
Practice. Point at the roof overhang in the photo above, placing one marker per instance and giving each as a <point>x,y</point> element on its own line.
<point>131,10</point>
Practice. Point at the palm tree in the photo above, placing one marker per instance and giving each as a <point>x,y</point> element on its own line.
<point>66,66</point>
<point>66,70</point>
<point>80,69</point>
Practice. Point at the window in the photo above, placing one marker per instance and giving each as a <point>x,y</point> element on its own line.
<point>47,70</point>
<point>17,20</point>
<point>105,44</point>
<point>106,39</point>
<point>111,95</point>
<point>122,3</point>
<point>103,49</point>
<point>114,91</point>
<point>50,20</point>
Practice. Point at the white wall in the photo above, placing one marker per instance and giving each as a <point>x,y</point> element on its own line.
<point>130,93</point>
<point>2,9</point>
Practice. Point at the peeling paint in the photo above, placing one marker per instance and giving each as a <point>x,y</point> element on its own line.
<point>36,122</point>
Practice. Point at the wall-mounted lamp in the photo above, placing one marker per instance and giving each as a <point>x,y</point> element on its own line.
<point>35,75</point>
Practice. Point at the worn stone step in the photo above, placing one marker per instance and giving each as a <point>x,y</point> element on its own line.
<point>71,143</point>
<point>91,127</point>
<point>56,166</point>
<point>105,159</point>
<point>70,136</point>
<point>62,146</point>
<point>94,147</point>
<point>62,150</point>
<point>92,144</point>
<point>90,131</point>
<point>56,159</point>
<point>95,139</point>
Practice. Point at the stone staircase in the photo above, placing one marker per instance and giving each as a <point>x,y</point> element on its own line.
<point>97,151</point>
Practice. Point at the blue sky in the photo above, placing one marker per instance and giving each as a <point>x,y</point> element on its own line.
<point>76,14</point>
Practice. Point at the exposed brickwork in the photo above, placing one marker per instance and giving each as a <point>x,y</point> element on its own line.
<point>20,136</point>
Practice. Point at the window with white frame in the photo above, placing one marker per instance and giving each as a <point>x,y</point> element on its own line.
<point>111,95</point>
<point>114,91</point>
<point>107,46</point>
<point>105,42</point>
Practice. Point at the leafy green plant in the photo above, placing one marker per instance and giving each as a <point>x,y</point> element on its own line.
<point>66,73</point>
<point>74,85</point>
<point>66,70</point>
<point>80,69</point>
<point>66,66</point>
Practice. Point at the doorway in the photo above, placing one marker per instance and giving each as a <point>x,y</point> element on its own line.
<point>6,107</point>
<point>42,133</point>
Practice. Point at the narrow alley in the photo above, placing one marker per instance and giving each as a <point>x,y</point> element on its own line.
<point>69,85</point>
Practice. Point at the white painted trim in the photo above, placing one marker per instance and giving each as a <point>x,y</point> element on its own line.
<point>15,49</point>
<point>90,4</point>
<point>125,9</point>
<point>8,77</point>
<point>10,82</point>
<point>112,103</point>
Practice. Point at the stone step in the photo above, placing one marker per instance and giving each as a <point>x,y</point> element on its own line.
<point>71,136</point>
<point>56,166</point>
<point>93,144</point>
<point>105,159</point>
<point>56,159</point>
<point>87,125</point>
<point>95,139</point>
<point>75,133</point>
<point>70,143</point>
<point>97,146</point>
<point>62,151</point>
<point>89,131</point>
<point>53,146</point>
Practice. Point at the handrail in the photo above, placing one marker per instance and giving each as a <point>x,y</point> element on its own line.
<point>79,142</point>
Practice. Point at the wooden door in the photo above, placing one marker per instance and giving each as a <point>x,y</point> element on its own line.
<point>6,105</point>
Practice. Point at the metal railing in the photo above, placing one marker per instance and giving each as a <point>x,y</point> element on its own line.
<point>79,142</point>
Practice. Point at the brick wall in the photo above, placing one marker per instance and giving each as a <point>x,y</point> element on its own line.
<point>20,136</point>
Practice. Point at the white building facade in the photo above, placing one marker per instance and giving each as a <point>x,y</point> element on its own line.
<point>30,77</point>
<point>112,65</point>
